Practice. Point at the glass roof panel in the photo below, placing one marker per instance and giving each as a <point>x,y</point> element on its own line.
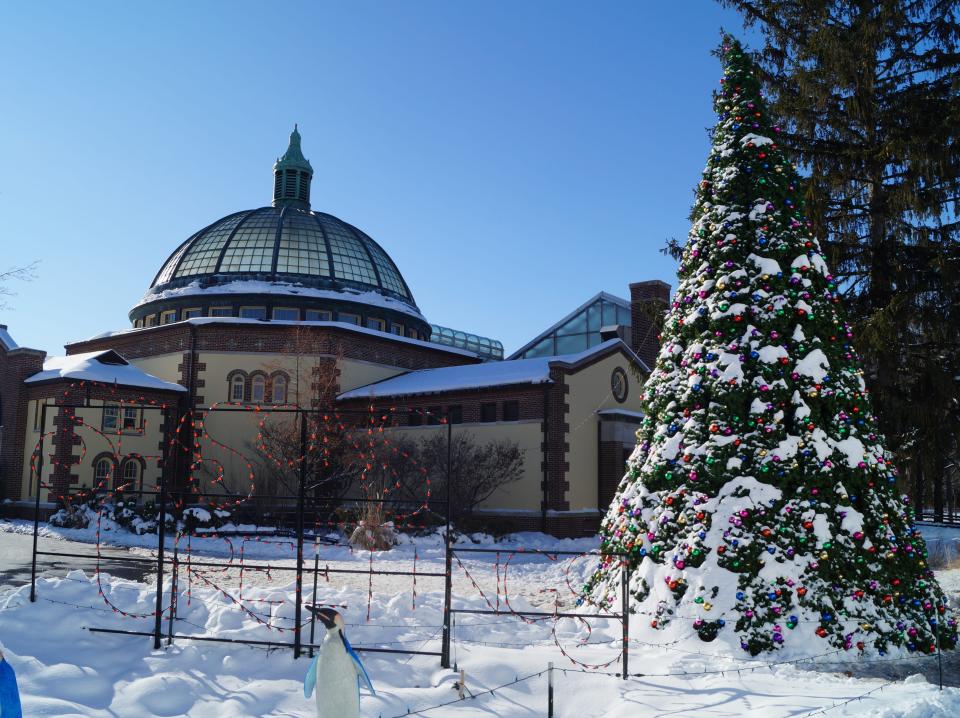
<point>389,276</point>
<point>251,249</point>
<point>302,249</point>
<point>166,274</point>
<point>350,259</point>
<point>575,325</point>
<point>609,314</point>
<point>201,258</point>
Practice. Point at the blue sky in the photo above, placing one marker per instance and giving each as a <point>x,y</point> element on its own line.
<point>514,158</point>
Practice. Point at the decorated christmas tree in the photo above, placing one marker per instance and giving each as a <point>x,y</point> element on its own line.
<point>759,504</point>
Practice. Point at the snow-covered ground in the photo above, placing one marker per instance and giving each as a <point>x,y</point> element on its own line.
<point>66,670</point>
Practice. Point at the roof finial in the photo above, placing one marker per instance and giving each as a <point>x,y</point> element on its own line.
<point>292,175</point>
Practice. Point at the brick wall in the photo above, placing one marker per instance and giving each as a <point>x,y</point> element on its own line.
<point>555,446</point>
<point>15,366</point>
<point>273,338</point>
<point>612,467</point>
<point>648,301</point>
<point>530,400</point>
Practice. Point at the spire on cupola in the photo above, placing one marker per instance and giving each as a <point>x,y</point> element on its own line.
<point>292,174</point>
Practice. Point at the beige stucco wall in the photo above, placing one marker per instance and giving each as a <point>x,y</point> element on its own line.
<point>239,430</point>
<point>164,366</point>
<point>524,494</point>
<point>29,482</point>
<point>144,443</point>
<point>589,392</point>
<point>353,373</point>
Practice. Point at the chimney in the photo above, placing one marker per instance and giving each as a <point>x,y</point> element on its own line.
<point>648,303</point>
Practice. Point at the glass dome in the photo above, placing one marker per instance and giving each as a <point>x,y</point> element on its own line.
<point>283,263</point>
<point>286,244</point>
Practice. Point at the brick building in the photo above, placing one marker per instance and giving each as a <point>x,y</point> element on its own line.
<point>277,306</point>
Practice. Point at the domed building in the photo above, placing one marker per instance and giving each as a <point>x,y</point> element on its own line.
<point>283,262</point>
<point>283,306</point>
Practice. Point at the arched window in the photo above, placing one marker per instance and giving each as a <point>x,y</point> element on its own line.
<point>102,470</point>
<point>257,389</point>
<point>279,389</point>
<point>236,388</point>
<point>131,472</point>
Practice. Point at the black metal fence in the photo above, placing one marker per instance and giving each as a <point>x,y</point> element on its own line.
<point>307,515</point>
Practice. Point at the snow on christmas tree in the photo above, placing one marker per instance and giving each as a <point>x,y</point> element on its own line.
<point>760,500</point>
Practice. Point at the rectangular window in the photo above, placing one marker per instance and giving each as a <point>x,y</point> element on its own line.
<point>412,333</point>
<point>221,311</point>
<point>377,324</point>
<point>511,411</point>
<point>318,315</point>
<point>253,312</point>
<point>455,414</point>
<point>286,314</point>
<point>37,414</point>
<point>110,416</point>
<point>168,317</point>
<point>488,412</point>
<point>138,323</point>
<point>348,318</point>
<point>435,415</point>
<point>397,329</point>
<point>150,321</point>
<point>414,417</point>
<point>192,312</point>
<point>131,418</point>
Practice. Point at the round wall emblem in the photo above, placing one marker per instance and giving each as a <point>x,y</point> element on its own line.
<point>619,385</point>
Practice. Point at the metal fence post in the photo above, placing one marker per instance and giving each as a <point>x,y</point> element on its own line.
<point>36,507</point>
<point>173,592</point>
<point>550,690</point>
<point>161,539</point>
<point>298,610</point>
<point>448,579</point>
<point>625,608</point>
<point>313,616</point>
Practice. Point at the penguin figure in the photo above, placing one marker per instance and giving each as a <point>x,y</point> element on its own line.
<point>337,669</point>
<point>9,694</point>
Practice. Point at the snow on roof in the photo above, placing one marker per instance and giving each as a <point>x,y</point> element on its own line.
<point>256,286</point>
<point>6,339</point>
<point>475,376</point>
<point>106,367</point>
<point>387,336</point>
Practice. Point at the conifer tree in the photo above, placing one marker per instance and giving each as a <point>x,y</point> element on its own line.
<point>760,502</point>
<point>867,92</point>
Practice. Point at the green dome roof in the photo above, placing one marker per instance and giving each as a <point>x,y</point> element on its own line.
<point>286,245</point>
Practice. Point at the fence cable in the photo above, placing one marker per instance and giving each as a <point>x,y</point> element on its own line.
<point>489,691</point>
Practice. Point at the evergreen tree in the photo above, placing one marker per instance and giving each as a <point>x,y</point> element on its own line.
<point>760,498</point>
<point>867,91</point>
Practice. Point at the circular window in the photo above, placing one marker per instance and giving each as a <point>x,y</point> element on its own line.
<point>619,385</point>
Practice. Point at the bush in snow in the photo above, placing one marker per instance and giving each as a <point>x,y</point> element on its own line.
<point>760,498</point>
<point>372,533</point>
<point>84,510</point>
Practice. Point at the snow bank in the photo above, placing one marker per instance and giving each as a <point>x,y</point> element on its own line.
<point>65,669</point>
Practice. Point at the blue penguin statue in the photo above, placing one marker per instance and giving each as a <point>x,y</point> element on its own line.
<point>9,694</point>
<point>336,672</point>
